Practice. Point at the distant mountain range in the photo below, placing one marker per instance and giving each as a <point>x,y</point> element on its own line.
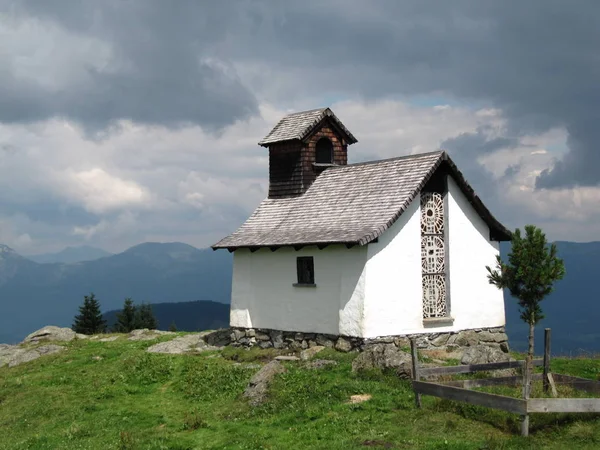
<point>33,295</point>
<point>70,255</point>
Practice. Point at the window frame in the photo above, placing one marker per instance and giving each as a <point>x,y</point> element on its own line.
<point>301,271</point>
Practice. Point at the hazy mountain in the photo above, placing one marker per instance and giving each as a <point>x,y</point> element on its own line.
<point>33,295</point>
<point>572,311</point>
<point>70,255</point>
<point>187,316</point>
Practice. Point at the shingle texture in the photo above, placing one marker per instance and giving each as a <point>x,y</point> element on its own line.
<point>299,125</point>
<point>347,204</point>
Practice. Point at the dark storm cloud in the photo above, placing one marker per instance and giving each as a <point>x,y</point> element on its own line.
<point>539,61</point>
<point>160,69</point>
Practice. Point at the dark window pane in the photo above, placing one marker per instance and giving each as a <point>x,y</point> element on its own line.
<point>306,270</point>
<point>324,151</point>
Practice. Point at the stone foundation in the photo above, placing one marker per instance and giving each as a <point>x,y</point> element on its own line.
<point>449,341</point>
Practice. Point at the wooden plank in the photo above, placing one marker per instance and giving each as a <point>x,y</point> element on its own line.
<point>415,369</point>
<point>475,367</point>
<point>550,379</point>
<point>546,381</point>
<point>514,405</point>
<point>563,405</point>
<point>491,381</point>
<point>582,384</point>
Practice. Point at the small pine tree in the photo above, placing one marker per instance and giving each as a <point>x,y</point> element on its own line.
<point>90,319</point>
<point>126,318</point>
<point>173,327</point>
<point>144,317</point>
<point>533,268</point>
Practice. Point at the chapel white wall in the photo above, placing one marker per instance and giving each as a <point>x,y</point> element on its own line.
<point>393,293</point>
<point>393,278</point>
<point>263,295</point>
<point>474,303</point>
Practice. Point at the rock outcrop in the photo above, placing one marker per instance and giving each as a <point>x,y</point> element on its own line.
<point>384,357</point>
<point>14,355</point>
<point>481,354</point>
<point>190,343</point>
<point>145,334</point>
<point>52,333</point>
<point>258,387</point>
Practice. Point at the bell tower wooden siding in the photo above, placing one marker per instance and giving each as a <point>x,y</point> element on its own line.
<point>292,167</point>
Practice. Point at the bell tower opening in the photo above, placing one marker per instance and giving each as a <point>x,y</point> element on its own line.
<point>324,151</point>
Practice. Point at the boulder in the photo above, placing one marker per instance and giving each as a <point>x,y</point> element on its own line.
<point>384,357</point>
<point>258,387</point>
<point>182,344</point>
<point>481,354</point>
<point>109,339</point>
<point>310,352</point>
<point>286,358</point>
<point>467,338</point>
<point>277,338</point>
<point>324,340</point>
<point>13,355</point>
<point>51,333</point>
<point>319,364</point>
<point>218,338</point>
<point>145,334</point>
<point>343,345</point>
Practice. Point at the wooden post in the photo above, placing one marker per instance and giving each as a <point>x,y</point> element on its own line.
<point>547,335</point>
<point>415,369</point>
<point>525,425</point>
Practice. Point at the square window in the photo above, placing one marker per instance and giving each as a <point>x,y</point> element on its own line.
<point>306,270</point>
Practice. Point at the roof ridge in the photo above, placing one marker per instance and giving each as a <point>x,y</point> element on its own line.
<point>395,158</point>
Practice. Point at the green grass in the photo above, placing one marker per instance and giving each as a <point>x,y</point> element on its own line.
<point>130,399</point>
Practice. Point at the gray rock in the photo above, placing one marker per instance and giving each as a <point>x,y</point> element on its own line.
<point>310,352</point>
<point>286,358</point>
<point>402,342</point>
<point>250,333</point>
<point>51,333</point>
<point>504,347</point>
<point>324,341</point>
<point>384,357</point>
<point>467,338</point>
<point>81,336</point>
<point>190,343</point>
<point>262,336</point>
<point>218,338</point>
<point>257,389</point>
<point>440,341</point>
<point>236,335</point>
<point>343,345</point>
<point>13,355</point>
<point>319,364</point>
<point>109,339</point>
<point>265,344</point>
<point>277,338</point>
<point>145,334</point>
<point>481,354</point>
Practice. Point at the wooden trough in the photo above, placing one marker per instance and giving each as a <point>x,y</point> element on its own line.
<point>459,390</point>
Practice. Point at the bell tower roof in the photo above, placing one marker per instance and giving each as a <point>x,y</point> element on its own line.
<point>301,125</point>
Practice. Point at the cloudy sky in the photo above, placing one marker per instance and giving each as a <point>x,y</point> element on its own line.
<point>126,121</point>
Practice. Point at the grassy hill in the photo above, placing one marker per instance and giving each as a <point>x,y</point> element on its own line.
<point>114,395</point>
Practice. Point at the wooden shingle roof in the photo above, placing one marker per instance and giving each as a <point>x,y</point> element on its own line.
<point>299,125</point>
<point>352,204</point>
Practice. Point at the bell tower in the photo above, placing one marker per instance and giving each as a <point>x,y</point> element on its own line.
<point>301,146</point>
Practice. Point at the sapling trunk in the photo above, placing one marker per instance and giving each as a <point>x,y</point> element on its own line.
<point>529,360</point>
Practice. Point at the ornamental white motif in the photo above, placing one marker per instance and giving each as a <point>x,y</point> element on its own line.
<point>433,255</point>
<point>434,296</point>
<point>432,213</point>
